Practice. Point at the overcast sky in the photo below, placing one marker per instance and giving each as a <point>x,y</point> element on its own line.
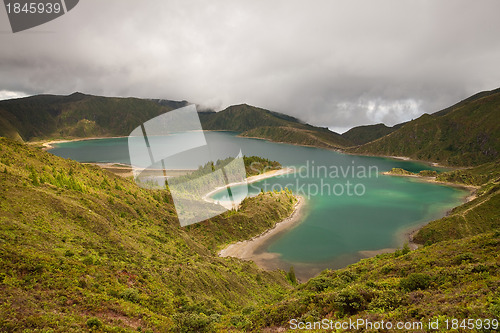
<point>331,63</point>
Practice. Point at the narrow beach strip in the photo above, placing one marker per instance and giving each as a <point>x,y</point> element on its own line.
<point>249,180</point>
<point>471,188</point>
<point>247,250</point>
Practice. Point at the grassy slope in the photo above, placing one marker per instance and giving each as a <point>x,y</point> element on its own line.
<point>243,117</point>
<point>256,122</point>
<point>466,134</point>
<point>78,243</point>
<point>363,134</point>
<point>76,115</point>
<point>451,279</point>
<point>297,136</point>
<point>479,215</point>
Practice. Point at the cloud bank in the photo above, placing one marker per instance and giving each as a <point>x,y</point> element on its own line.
<point>331,63</point>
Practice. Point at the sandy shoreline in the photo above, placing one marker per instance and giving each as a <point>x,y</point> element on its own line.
<point>401,158</point>
<point>249,180</point>
<point>336,149</point>
<point>410,234</point>
<point>47,145</point>
<point>405,158</point>
<point>433,180</point>
<point>247,249</point>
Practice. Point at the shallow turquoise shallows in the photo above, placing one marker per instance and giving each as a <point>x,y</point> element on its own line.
<point>350,207</point>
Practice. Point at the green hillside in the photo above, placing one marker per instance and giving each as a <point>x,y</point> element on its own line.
<point>78,115</point>
<point>252,121</point>
<point>82,248</point>
<point>466,134</point>
<point>363,134</point>
<point>479,215</point>
<point>74,116</point>
<point>243,117</point>
<point>315,138</point>
<point>445,281</point>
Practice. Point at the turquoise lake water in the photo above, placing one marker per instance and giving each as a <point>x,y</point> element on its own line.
<point>350,208</point>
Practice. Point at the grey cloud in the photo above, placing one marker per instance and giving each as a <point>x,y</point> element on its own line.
<point>330,63</point>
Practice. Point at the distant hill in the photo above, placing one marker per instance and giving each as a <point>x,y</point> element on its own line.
<point>465,134</point>
<point>252,121</point>
<point>79,115</point>
<point>171,104</point>
<point>363,134</point>
<point>76,115</point>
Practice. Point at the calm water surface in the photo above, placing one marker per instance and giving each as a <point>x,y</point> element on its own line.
<point>350,208</point>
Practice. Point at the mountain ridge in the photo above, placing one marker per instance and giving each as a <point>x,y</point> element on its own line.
<point>465,134</point>
<point>79,115</point>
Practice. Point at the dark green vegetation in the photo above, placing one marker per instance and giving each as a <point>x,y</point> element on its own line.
<point>251,121</point>
<point>74,116</point>
<point>481,214</point>
<point>322,138</point>
<point>400,172</point>
<point>451,279</point>
<point>473,176</point>
<point>243,117</point>
<point>82,248</point>
<point>466,134</point>
<point>363,134</point>
<point>78,116</point>
<point>255,165</point>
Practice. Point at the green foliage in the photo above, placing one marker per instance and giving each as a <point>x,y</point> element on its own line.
<point>403,251</point>
<point>76,115</point>
<point>193,322</point>
<point>291,276</point>
<point>399,171</point>
<point>479,175</point>
<point>85,242</point>
<point>94,323</point>
<point>349,301</point>
<point>364,134</point>
<point>464,258</point>
<point>300,136</point>
<point>495,307</point>
<point>428,173</point>
<point>255,165</point>
<point>415,281</point>
<point>422,284</point>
